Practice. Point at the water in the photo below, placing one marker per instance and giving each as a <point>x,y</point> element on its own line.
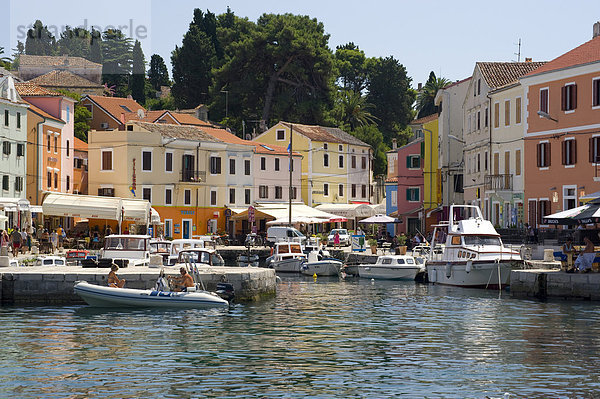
<point>350,339</point>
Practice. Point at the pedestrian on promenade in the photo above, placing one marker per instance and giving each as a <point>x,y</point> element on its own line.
<point>61,234</point>
<point>568,250</point>
<point>54,240</point>
<point>4,239</point>
<point>586,258</point>
<point>17,239</point>
<point>24,240</point>
<point>336,240</point>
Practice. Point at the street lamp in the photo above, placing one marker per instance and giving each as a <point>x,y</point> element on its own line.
<point>546,115</point>
<point>453,137</point>
<point>226,101</point>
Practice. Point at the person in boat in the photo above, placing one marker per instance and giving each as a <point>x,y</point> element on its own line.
<point>183,281</point>
<point>586,258</point>
<point>113,279</point>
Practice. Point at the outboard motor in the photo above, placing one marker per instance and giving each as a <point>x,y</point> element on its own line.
<point>225,291</point>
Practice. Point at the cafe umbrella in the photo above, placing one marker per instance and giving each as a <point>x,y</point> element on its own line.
<point>584,214</point>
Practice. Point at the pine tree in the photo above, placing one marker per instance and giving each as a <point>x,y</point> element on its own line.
<point>158,73</point>
<point>39,40</point>
<point>139,74</point>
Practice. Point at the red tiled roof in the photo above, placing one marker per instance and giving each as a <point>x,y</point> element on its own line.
<point>587,53</point>
<point>80,145</point>
<point>223,135</point>
<point>62,78</point>
<point>325,134</point>
<point>114,105</point>
<point>177,131</point>
<point>186,119</point>
<point>56,61</point>
<point>424,119</point>
<point>499,74</point>
<point>43,113</point>
<point>30,90</point>
<point>260,148</point>
<point>149,116</point>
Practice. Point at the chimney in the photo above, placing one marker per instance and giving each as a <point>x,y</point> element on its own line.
<point>528,59</point>
<point>394,144</point>
<point>596,30</point>
<point>419,86</point>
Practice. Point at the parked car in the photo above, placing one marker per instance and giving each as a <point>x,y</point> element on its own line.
<point>344,237</point>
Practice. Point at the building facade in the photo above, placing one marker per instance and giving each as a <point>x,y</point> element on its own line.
<point>410,188</point>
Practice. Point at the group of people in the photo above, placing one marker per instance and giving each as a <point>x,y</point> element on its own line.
<point>585,258</point>
<point>17,239</point>
<point>179,283</point>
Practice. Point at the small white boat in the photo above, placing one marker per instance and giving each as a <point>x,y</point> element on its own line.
<point>320,264</point>
<point>199,257</point>
<point>181,244</point>
<point>391,267</point>
<point>102,296</point>
<point>287,257</point>
<point>51,260</point>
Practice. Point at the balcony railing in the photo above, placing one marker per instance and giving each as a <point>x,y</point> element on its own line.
<point>499,182</point>
<point>193,176</point>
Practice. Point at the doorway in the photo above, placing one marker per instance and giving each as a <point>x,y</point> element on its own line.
<point>186,228</point>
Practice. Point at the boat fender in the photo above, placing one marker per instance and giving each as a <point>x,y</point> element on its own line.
<point>448,270</point>
<point>271,250</point>
<point>469,266</point>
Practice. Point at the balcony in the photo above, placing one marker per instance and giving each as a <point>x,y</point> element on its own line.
<point>499,182</point>
<point>192,176</point>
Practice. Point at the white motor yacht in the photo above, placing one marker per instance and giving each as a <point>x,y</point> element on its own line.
<point>468,252</point>
<point>287,257</point>
<point>391,267</point>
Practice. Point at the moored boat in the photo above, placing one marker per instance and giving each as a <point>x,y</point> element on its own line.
<point>287,257</point>
<point>391,267</point>
<point>467,251</point>
<point>319,263</point>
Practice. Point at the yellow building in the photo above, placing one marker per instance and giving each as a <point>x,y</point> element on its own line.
<point>427,127</point>
<point>336,166</point>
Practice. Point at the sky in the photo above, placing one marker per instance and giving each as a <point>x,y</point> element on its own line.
<point>446,37</point>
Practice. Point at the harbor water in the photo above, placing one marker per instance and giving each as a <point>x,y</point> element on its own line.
<point>325,338</point>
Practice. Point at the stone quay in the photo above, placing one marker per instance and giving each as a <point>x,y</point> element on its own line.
<point>546,284</point>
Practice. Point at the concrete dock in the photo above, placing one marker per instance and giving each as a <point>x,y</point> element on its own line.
<point>543,284</point>
<point>54,285</point>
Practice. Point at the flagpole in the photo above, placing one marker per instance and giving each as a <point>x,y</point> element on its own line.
<point>290,169</point>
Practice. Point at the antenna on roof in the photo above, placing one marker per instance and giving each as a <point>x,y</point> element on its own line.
<point>518,54</point>
<point>140,113</point>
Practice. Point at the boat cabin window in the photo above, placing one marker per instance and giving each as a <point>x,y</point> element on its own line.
<point>128,244</point>
<point>217,260</point>
<point>195,257</point>
<point>410,261</point>
<point>59,262</point>
<point>386,261</point>
<point>47,262</point>
<point>295,249</point>
<point>455,240</point>
<point>283,249</point>
<point>481,240</point>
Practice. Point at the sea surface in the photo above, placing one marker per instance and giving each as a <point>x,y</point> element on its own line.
<point>319,339</point>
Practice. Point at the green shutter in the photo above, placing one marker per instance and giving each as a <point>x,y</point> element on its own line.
<point>422,149</point>
<point>408,194</point>
<point>408,162</point>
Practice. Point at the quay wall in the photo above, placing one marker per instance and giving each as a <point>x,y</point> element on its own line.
<point>543,284</point>
<point>54,285</point>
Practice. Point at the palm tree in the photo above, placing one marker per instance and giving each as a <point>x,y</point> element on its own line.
<point>3,59</point>
<point>426,97</point>
<point>353,110</point>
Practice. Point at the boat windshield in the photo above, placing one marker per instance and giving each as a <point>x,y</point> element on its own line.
<point>481,240</point>
<point>194,256</point>
<point>159,247</point>
<point>125,243</point>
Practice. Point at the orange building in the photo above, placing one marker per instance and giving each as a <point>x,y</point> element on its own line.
<point>562,132</point>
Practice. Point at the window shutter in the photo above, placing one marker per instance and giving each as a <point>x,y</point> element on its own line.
<point>408,162</point>
<point>548,154</point>
<point>563,98</point>
<point>574,96</point>
<point>573,152</point>
<point>408,194</point>
<point>591,149</point>
<point>539,155</point>
<point>564,152</point>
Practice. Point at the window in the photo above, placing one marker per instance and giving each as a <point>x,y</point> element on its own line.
<point>340,148</point>
<point>478,120</point>
<point>18,122</point>
<point>68,183</point>
<point>353,190</point>
<point>543,155</point>
<point>507,113</point>
<point>68,148</point>
<point>168,225</point>
<point>569,152</point>
<point>543,210</point>
<point>48,142</point>
<point>49,180</point>
<point>106,160</point>
<point>55,144</point>
<point>168,162</point>
<point>412,194</point>
<point>168,196</point>
<point>569,197</point>
<point>569,97</point>
<point>518,110</point>
<point>518,162</point>
<point>232,195</point>
<point>187,197</point>
<point>341,190</point>
<point>147,194</point>
<point>326,160</point>
<point>215,165</point>
<point>5,182</point>
<point>232,166</point>
<point>147,161</point>
<point>247,167</point>
<point>19,184</point>
<point>413,161</point>
<point>478,86</point>
<point>106,192</point>
<point>363,191</point>
<point>458,183</point>
<point>353,161</point>
<point>485,160</point>
<point>6,147</point>
<point>247,196</point>
<point>188,168</point>
<point>341,161</point>
<point>213,197</point>
<point>55,179</point>
<point>326,189</point>
<point>263,191</point>
<point>278,192</point>
<point>497,115</point>
<point>325,146</point>
<point>486,118</point>
<point>479,162</point>
<point>294,192</point>
<point>5,117</point>
<point>263,163</point>
<point>544,100</point>
<point>20,150</point>
<point>596,92</point>
<point>276,163</point>
<point>364,163</point>
<point>281,135</point>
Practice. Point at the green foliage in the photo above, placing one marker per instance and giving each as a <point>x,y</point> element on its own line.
<point>40,41</point>
<point>372,136</point>
<point>372,242</point>
<point>117,60</point>
<point>82,115</point>
<point>161,103</point>
<point>401,239</point>
<point>351,65</point>
<point>96,47</point>
<point>138,79</point>
<point>390,93</point>
<point>4,61</point>
<point>426,97</point>
<point>158,73</point>
<point>74,42</point>
<point>352,110</point>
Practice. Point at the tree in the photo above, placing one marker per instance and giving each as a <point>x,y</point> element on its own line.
<point>138,78</point>
<point>117,56</point>
<point>351,64</point>
<point>4,61</point>
<point>39,40</point>
<point>353,110</point>
<point>390,93</point>
<point>96,47</point>
<point>158,73</point>
<point>74,42</point>
<point>426,97</point>
<point>373,136</point>
<point>82,116</point>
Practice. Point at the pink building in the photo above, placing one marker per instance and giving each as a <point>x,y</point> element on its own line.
<point>410,187</point>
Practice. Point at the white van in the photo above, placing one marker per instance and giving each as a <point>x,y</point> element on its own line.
<point>282,233</point>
